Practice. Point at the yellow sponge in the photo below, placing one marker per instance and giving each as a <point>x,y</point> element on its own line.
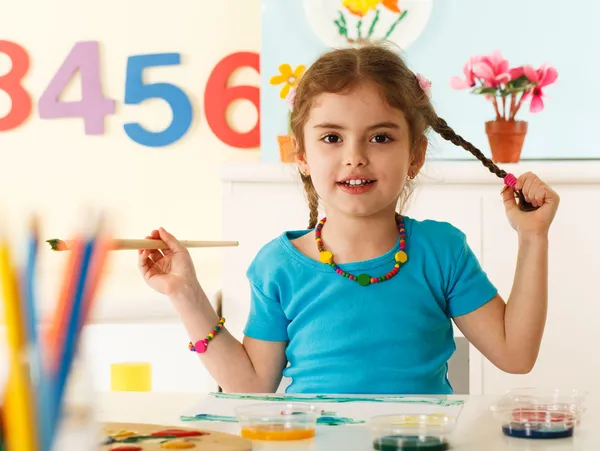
<point>132,376</point>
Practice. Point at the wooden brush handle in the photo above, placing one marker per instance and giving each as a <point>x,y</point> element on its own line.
<point>121,244</point>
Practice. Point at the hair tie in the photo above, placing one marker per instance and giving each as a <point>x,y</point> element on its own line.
<point>510,180</point>
<point>425,85</point>
<point>291,98</point>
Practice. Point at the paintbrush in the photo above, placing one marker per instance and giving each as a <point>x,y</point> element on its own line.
<point>126,244</point>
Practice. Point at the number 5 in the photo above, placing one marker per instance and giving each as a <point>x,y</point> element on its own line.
<point>136,91</point>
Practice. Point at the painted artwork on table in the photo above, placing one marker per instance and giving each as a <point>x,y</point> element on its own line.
<point>334,410</point>
<point>296,32</point>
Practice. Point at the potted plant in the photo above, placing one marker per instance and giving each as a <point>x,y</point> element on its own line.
<point>507,89</point>
<point>289,78</point>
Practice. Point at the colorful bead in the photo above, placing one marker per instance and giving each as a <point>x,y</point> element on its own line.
<point>364,280</point>
<point>326,256</point>
<point>401,257</point>
<point>201,345</point>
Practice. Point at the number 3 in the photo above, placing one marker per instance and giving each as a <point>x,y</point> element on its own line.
<point>136,91</point>
<point>11,84</point>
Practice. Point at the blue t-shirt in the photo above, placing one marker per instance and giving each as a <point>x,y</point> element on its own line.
<point>393,337</point>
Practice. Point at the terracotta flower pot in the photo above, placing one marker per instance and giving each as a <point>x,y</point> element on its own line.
<point>286,150</point>
<point>506,139</point>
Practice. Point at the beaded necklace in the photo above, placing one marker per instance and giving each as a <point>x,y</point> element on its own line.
<point>363,279</point>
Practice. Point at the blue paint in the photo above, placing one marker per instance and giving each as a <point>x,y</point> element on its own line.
<point>530,32</point>
<point>321,421</point>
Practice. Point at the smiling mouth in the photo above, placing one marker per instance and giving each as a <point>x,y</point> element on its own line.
<point>356,182</point>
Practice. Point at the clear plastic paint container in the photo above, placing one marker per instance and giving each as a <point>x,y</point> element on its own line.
<point>537,413</point>
<point>278,421</point>
<point>411,432</point>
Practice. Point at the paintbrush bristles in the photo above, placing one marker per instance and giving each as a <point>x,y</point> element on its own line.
<point>126,244</point>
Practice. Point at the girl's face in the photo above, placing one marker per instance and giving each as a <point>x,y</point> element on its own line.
<point>358,152</point>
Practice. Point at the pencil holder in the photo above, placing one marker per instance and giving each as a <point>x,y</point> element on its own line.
<point>79,428</point>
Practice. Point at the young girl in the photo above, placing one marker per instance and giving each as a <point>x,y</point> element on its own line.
<point>363,301</point>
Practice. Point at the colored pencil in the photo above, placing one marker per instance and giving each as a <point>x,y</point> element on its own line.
<point>56,332</point>
<point>68,348</point>
<point>39,370</point>
<point>96,273</point>
<point>18,401</point>
<point>127,244</point>
<point>39,382</point>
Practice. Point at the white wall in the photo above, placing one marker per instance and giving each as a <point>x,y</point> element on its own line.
<point>52,167</point>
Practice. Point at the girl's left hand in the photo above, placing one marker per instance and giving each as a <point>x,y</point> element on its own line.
<point>538,194</point>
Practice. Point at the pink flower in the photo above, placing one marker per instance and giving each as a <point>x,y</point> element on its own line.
<point>469,82</point>
<point>543,77</point>
<point>493,70</point>
<point>516,72</point>
<point>425,85</point>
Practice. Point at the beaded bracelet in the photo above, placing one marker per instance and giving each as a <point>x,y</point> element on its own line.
<point>201,345</point>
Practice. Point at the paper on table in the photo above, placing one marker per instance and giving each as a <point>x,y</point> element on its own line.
<point>336,410</point>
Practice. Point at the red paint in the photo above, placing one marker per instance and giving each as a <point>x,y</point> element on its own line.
<point>540,415</point>
<point>218,96</point>
<point>127,448</point>
<point>179,433</point>
<point>356,189</point>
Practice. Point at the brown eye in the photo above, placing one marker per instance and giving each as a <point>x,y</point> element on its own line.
<point>331,139</point>
<point>381,138</point>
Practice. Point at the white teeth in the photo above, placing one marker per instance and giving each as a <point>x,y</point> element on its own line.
<point>356,182</point>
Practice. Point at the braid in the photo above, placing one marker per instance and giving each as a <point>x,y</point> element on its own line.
<point>443,129</point>
<point>313,200</point>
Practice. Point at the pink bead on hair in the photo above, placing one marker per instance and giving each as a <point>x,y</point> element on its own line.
<point>291,98</point>
<point>510,180</point>
<point>425,85</point>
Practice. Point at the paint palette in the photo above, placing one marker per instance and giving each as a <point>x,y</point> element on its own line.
<point>278,421</point>
<point>409,432</point>
<point>151,437</point>
<point>538,413</point>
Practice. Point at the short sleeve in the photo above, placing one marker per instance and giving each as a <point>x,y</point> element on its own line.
<point>267,320</point>
<point>469,286</point>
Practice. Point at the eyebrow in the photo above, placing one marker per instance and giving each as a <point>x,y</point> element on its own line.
<point>331,125</point>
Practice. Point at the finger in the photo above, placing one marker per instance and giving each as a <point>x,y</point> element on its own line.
<point>528,180</point>
<point>170,240</point>
<point>508,196</point>
<point>144,262</point>
<point>156,236</point>
<point>156,255</point>
<point>541,194</point>
<point>530,190</point>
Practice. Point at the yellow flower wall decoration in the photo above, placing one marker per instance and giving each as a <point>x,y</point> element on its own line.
<point>361,8</point>
<point>289,77</point>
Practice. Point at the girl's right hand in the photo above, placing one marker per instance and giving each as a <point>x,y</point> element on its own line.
<point>168,271</point>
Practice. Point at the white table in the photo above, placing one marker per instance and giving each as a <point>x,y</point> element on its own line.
<point>475,431</point>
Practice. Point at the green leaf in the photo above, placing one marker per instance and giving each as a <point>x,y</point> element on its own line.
<point>485,91</point>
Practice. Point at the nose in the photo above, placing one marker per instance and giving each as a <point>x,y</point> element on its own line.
<point>356,154</point>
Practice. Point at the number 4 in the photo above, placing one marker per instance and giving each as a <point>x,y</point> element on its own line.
<point>93,106</point>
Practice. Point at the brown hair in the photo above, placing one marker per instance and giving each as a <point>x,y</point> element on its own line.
<point>343,70</point>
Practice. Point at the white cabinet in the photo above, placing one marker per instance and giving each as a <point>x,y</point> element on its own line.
<point>262,200</point>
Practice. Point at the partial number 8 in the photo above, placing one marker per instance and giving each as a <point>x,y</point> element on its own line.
<point>11,84</point>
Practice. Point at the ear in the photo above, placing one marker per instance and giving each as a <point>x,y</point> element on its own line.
<point>418,156</point>
<point>300,158</point>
